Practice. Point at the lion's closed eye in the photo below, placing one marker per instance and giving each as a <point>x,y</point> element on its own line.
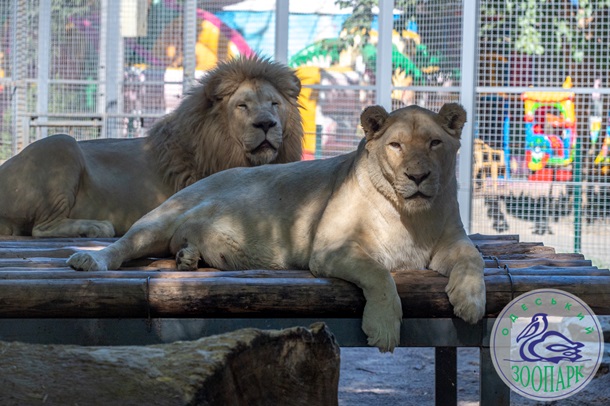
<point>395,145</point>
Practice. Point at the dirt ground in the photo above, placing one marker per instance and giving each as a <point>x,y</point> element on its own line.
<point>369,378</point>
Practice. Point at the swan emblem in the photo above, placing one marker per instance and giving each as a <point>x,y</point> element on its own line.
<point>538,344</point>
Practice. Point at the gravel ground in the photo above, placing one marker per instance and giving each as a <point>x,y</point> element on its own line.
<point>369,378</point>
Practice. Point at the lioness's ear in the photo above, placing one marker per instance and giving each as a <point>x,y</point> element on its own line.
<point>372,119</point>
<point>455,118</point>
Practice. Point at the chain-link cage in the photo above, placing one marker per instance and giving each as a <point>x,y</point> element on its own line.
<point>541,162</point>
<point>540,134</point>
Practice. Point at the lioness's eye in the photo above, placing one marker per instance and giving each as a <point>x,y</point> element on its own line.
<point>275,104</point>
<point>395,145</point>
<point>242,106</point>
<point>434,143</point>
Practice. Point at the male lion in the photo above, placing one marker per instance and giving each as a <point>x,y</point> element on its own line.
<point>243,113</point>
<point>391,204</point>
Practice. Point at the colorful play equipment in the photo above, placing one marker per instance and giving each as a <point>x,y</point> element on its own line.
<point>331,57</point>
<point>601,163</point>
<point>550,134</point>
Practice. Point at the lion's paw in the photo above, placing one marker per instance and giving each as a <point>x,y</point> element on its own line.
<point>99,229</point>
<point>381,323</point>
<point>187,258</point>
<point>467,295</point>
<point>86,261</point>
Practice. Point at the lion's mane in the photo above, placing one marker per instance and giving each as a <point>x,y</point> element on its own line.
<point>193,141</point>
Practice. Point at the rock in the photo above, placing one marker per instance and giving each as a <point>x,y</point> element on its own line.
<point>296,366</point>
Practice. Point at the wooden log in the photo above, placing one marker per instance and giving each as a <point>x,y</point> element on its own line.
<point>422,294</point>
<point>500,237</point>
<point>152,264</point>
<point>494,262</point>
<point>295,366</point>
<point>516,248</point>
<point>37,252</point>
<point>546,270</point>
<point>33,262</point>
<point>67,273</point>
<point>7,239</point>
<point>166,263</point>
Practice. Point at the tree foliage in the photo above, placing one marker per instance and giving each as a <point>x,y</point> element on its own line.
<point>570,29</point>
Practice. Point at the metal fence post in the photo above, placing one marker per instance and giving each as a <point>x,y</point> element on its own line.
<point>189,33</point>
<point>44,55</point>
<point>282,12</point>
<point>467,98</point>
<point>113,78</point>
<point>383,63</point>
<point>15,77</point>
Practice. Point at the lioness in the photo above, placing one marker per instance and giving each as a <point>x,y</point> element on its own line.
<point>391,204</point>
<point>243,113</point>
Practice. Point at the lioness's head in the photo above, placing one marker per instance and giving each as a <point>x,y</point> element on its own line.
<point>414,150</point>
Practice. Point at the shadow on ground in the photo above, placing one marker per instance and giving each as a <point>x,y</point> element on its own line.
<point>369,378</point>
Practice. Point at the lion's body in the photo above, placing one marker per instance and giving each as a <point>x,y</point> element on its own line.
<point>244,113</point>
<point>389,205</point>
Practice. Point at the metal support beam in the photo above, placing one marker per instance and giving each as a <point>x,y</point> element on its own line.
<point>114,58</point>
<point>15,76</point>
<point>282,13</point>
<point>493,391</point>
<point>470,13</point>
<point>189,41</point>
<point>445,376</point>
<point>383,64</point>
<point>440,332</point>
<point>44,60</point>
<point>102,66</point>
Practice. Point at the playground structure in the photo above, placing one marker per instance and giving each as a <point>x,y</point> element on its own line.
<point>601,163</point>
<point>550,139</point>
<point>329,62</point>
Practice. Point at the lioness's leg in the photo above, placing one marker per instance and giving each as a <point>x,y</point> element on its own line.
<point>383,310</point>
<point>464,266</point>
<point>148,236</point>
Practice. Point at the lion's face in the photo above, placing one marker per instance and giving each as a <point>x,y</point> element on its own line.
<point>415,150</point>
<point>257,109</point>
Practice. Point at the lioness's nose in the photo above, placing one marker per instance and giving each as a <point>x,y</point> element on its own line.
<point>265,125</point>
<point>418,178</point>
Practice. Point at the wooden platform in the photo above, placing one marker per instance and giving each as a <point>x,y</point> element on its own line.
<point>36,283</point>
<point>147,301</point>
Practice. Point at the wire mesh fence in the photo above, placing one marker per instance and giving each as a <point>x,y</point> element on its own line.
<point>541,160</point>
<point>540,135</point>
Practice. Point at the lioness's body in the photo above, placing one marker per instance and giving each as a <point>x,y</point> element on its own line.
<point>243,113</point>
<point>356,217</point>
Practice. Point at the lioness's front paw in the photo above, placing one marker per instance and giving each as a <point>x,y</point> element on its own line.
<point>381,323</point>
<point>86,261</point>
<point>467,295</point>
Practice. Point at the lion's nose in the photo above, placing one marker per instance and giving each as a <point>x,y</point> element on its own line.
<point>418,178</point>
<point>265,125</point>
